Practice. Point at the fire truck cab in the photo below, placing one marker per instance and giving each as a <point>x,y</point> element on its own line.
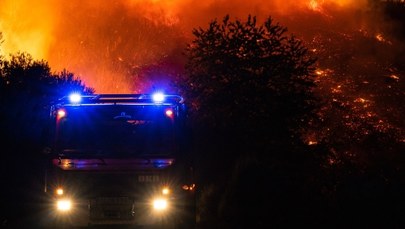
<point>119,159</point>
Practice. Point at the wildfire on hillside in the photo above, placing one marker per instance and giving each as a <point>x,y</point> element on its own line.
<point>362,89</point>
<point>109,46</point>
<point>128,46</point>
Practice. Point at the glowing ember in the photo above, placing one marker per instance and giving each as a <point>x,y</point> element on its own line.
<point>337,89</point>
<point>360,100</point>
<point>380,37</point>
<point>319,72</point>
<point>394,77</point>
<point>312,142</point>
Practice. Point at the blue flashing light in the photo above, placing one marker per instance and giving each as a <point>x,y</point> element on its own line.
<point>75,98</point>
<point>158,97</point>
<point>161,163</point>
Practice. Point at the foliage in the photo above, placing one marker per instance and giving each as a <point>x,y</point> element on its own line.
<point>245,76</point>
<point>254,82</point>
<point>27,87</point>
<point>249,88</point>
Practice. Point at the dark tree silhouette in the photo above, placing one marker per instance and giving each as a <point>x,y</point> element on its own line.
<point>249,89</point>
<point>241,73</point>
<point>27,87</point>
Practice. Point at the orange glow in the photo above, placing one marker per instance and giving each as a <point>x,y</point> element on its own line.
<point>380,37</point>
<point>319,72</point>
<point>360,100</point>
<point>113,47</point>
<point>61,114</point>
<point>337,89</point>
<point>190,187</point>
<point>59,191</point>
<point>312,143</point>
<point>323,72</point>
<point>27,27</point>
<point>314,5</point>
<point>169,113</point>
<point>165,191</point>
<point>394,77</point>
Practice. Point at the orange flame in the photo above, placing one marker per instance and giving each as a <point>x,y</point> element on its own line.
<point>109,46</point>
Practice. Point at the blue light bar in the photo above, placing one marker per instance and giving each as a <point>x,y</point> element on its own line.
<point>75,98</point>
<point>158,97</point>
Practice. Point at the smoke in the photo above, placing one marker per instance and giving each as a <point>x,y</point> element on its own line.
<point>121,46</point>
<point>26,26</point>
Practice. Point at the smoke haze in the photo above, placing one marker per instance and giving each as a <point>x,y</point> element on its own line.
<point>115,45</point>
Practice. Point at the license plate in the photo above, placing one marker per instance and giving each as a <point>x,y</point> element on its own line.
<point>148,178</point>
<point>114,200</point>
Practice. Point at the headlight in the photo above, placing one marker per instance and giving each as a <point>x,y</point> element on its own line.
<point>63,205</point>
<point>165,191</point>
<point>59,191</point>
<point>160,204</point>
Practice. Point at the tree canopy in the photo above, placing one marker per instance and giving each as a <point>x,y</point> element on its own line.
<point>248,76</point>
<point>27,87</point>
<point>323,138</point>
<point>251,85</point>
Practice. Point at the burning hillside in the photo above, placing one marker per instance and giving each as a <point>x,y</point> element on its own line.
<point>118,47</point>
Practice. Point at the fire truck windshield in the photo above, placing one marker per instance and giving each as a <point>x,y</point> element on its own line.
<point>116,130</point>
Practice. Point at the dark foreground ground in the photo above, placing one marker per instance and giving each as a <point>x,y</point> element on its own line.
<point>385,212</point>
<point>258,199</point>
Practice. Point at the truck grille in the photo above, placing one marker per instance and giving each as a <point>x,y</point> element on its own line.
<point>112,208</point>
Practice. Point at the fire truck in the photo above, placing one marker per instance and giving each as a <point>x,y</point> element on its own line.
<point>119,159</point>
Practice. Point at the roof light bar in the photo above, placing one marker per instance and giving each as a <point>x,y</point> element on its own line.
<point>75,98</point>
<point>158,97</point>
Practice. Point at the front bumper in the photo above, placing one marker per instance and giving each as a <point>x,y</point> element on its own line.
<point>114,211</point>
